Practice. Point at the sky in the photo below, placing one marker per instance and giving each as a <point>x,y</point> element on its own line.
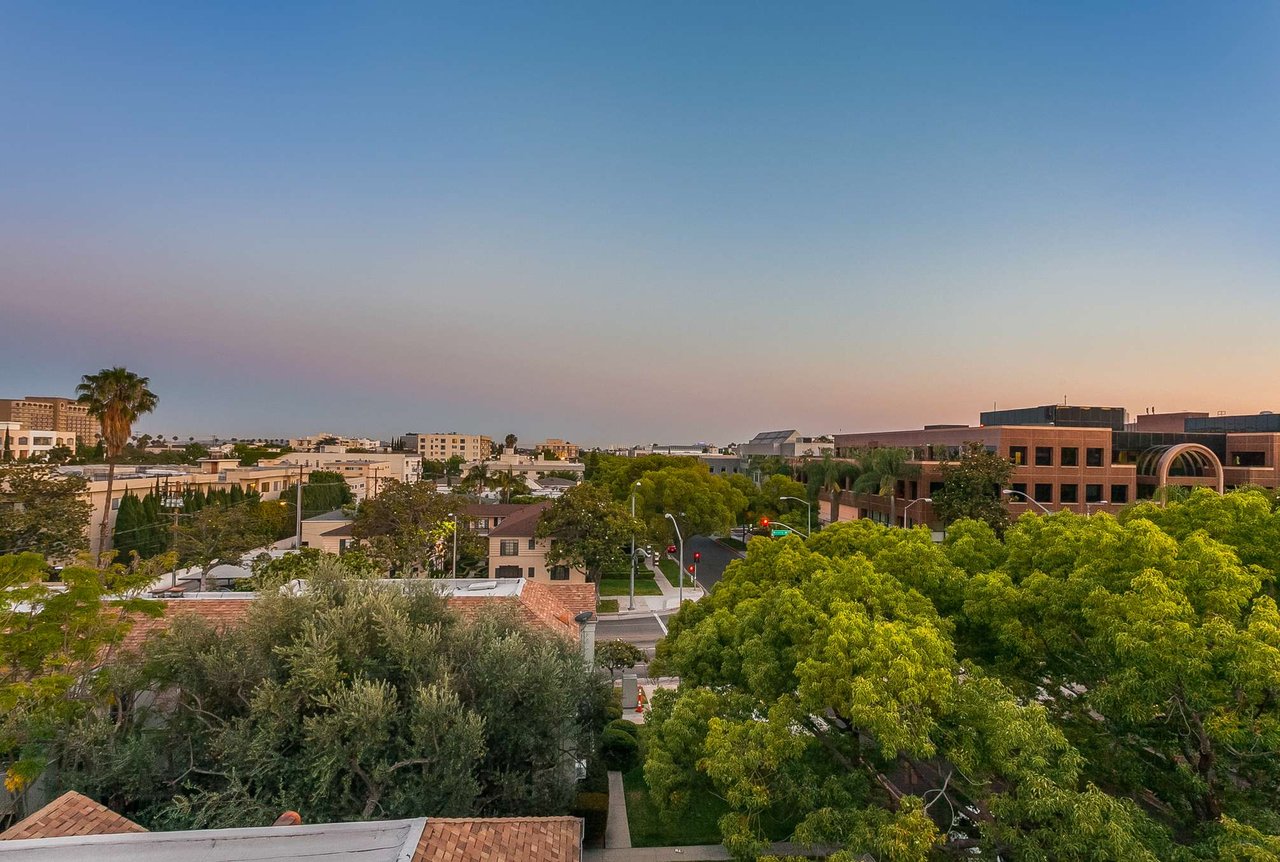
<point>646,222</point>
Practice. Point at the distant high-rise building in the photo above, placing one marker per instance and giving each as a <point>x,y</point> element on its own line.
<point>52,414</point>
<point>442,447</point>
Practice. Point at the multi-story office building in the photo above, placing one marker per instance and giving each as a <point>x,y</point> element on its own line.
<point>442,447</point>
<point>1085,459</point>
<point>60,415</point>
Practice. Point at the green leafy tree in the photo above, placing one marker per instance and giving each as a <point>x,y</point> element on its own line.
<point>55,637</point>
<point>116,397</point>
<point>703,504</point>
<point>616,655</point>
<point>510,441</point>
<point>619,474</point>
<point>127,537</point>
<point>349,701</point>
<point>408,528</point>
<point>1079,689</point>
<point>882,468</point>
<point>222,535</point>
<point>588,531</point>
<point>43,511</point>
<point>324,491</point>
<point>972,487</point>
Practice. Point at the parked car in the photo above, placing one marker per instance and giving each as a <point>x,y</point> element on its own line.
<point>671,550</point>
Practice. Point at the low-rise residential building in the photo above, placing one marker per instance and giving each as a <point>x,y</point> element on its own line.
<point>209,473</point>
<point>442,447</point>
<point>363,471</point>
<point>19,442</point>
<point>529,466</point>
<point>330,532</point>
<point>333,443</point>
<point>516,551</point>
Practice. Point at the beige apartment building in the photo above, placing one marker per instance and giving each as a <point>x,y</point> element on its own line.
<point>19,442</point>
<point>210,473</point>
<point>364,472</point>
<point>562,449</point>
<point>442,447</point>
<point>60,415</point>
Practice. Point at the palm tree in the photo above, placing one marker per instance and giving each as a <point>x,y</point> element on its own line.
<point>511,442</point>
<point>882,468</point>
<point>116,397</point>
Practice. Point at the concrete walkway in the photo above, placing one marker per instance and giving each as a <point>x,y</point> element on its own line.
<point>617,832</point>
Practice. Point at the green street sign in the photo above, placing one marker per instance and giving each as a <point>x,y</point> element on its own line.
<point>777,533</point>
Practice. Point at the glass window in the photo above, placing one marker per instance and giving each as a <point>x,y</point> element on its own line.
<point>508,571</point>
<point>1093,493</point>
<point>1069,494</point>
<point>1070,457</point>
<point>1018,455</point>
<point>1044,456</point>
<point>508,548</point>
<point>1044,492</point>
<point>531,543</point>
<point>559,573</point>
<point>1119,493</point>
<point>1092,457</point>
<point>1249,459</point>
<point>1021,488</point>
<point>531,571</point>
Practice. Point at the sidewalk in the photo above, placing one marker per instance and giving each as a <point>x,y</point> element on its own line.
<point>647,605</point>
<point>617,831</point>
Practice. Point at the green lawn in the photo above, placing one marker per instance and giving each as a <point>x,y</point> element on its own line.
<point>671,571</point>
<point>622,586</point>
<point>607,606</point>
<point>696,824</point>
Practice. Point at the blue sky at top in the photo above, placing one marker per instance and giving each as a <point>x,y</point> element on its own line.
<point>655,221</point>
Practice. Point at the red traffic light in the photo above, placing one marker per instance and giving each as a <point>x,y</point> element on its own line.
<point>691,568</point>
<point>697,557</point>
<point>764,522</point>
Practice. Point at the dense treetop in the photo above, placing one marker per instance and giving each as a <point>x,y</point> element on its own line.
<point>1084,688</point>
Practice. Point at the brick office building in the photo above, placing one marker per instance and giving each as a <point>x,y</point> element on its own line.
<point>1083,459</point>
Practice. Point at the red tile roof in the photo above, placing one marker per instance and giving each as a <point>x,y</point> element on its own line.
<point>219,612</point>
<point>520,524</point>
<point>500,839</point>
<point>70,814</point>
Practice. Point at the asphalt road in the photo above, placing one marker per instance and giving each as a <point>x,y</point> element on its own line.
<point>715,557</point>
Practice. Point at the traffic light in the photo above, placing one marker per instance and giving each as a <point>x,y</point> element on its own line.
<point>764,522</point>
<point>697,557</point>
<point>690,567</point>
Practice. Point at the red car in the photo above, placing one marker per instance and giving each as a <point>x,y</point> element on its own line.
<point>671,549</point>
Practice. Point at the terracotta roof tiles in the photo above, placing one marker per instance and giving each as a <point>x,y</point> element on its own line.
<point>219,612</point>
<point>504,839</point>
<point>70,814</point>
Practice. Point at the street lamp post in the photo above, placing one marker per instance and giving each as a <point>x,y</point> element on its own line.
<point>680,542</point>
<point>808,514</point>
<point>912,503</point>
<point>1008,491</point>
<point>454,518</point>
<point>631,601</point>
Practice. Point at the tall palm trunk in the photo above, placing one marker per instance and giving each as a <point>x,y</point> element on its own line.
<point>104,532</point>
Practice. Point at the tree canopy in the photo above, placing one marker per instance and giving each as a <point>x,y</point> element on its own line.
<point>42,511</point>
<point>588,530</point>
<point>703,504</point>
<point>351,700</point>
<point>55,636</point>
<point>408,528</point>
<point>972,487</point>
<point>1082,689</point>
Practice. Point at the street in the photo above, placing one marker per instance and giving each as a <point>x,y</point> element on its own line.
<point>715,557</point>
<point>643,631</point>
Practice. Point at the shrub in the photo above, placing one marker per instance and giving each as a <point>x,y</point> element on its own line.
<point>619,749</point>
<point>625,726</point>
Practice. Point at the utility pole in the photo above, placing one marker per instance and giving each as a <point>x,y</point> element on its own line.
<point>297,541</point>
